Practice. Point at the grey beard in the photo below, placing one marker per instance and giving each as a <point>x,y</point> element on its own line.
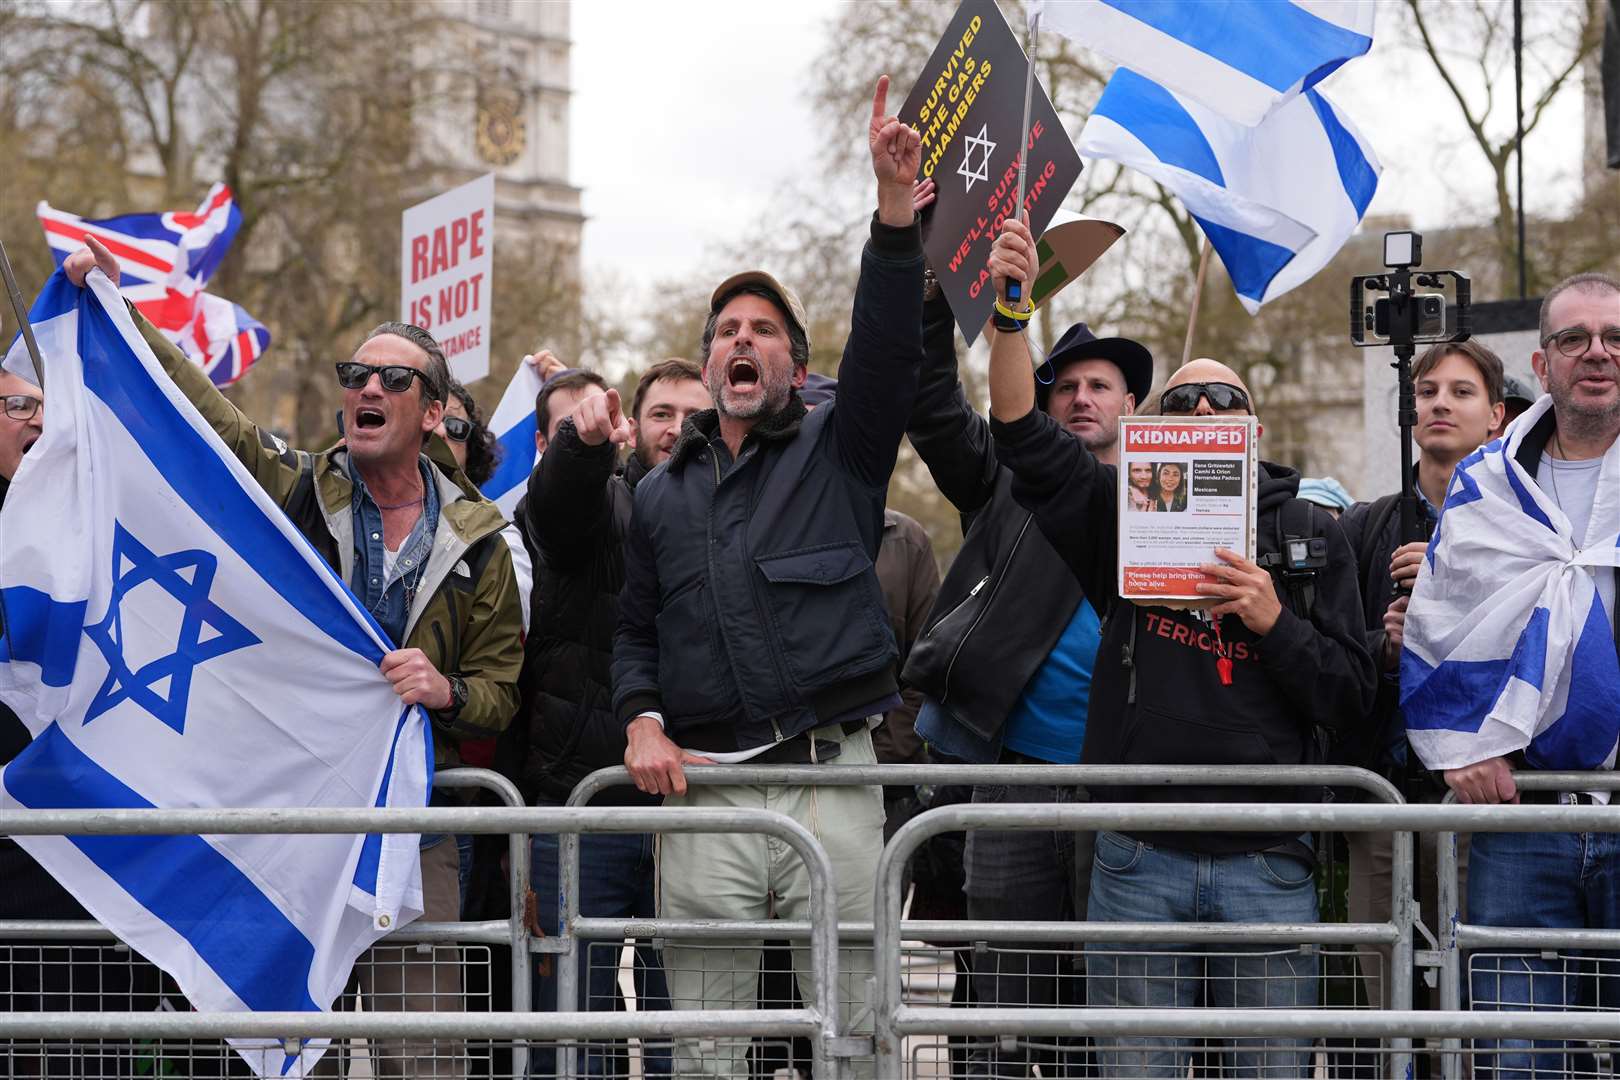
<point>1582,421</point>
<point>774,399</point>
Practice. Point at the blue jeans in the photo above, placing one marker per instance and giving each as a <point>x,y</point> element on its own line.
<point>1552,880</point>
<point>616,879</point>
<point>1132,881</point>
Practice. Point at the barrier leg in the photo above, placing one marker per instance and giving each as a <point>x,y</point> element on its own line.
<point>1404,911</point>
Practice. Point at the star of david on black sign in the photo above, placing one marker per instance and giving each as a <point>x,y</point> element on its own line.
<point>972,85</point>
<point>206,631</point>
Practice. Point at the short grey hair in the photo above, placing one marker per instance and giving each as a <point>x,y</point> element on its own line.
<point>1590,282</point>
<point>437,382</point>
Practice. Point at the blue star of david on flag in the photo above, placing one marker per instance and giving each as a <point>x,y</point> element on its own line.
<point>162,686</point>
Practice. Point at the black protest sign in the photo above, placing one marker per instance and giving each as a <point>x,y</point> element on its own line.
<point>968,105</point>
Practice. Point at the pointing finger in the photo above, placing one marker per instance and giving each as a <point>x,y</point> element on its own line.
<point>880,99</point>
<point>615,412</point>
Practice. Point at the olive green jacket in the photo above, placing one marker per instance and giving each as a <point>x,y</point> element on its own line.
<point>465,617</point>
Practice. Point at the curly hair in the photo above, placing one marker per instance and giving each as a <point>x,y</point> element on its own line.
<point>483,452</point>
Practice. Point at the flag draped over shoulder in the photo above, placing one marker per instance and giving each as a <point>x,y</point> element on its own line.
<point>1509,643</point>
<point>1243,58</point>
<point>165,260</point>
<point>514,426</point>
<point>1276,200</point>
<point>171,640</point>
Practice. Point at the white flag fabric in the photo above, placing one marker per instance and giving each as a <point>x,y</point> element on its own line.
<point>514,426</point>
<point>1277,201</point>
<point>1241,58</point>
<point>1509,635</point>
<point>171,640</point>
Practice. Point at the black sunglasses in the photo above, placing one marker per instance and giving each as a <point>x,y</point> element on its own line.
<point>1184,398</point>
<point>456,428</point>
<point>396,378</point>
<point>21,406</point>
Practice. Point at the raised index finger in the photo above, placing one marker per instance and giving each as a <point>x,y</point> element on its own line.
<point>880,99</point>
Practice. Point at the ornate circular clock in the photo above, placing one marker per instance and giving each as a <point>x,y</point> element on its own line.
<point>501,131</point>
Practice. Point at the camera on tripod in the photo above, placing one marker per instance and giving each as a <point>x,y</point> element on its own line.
<point>1404,317</point>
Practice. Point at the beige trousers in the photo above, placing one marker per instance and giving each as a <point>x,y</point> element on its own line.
<point>751,876</point>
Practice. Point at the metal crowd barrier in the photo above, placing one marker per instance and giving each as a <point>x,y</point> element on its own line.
<point>512,932</point>
<point>894,1020</point>
<point>818,1019</point>
<point>1458,937</point>
<point>1397,932</point>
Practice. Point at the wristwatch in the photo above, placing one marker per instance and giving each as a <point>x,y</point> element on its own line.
<point>458,696</point>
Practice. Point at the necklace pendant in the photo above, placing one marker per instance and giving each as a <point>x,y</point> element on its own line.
<point>1223,668</point>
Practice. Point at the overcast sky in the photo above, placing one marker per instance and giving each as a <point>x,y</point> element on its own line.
<point>673,100</point>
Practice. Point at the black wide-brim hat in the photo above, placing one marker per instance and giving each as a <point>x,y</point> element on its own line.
<point>1079,343</point>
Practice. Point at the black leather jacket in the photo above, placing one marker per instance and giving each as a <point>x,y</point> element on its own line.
<point>1009,594</point>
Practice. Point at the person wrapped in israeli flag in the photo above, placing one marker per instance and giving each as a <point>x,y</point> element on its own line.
<point>171,640</point>
<point>1508,642</point>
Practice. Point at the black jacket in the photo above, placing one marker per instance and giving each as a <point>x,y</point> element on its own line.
<point>1008,595</point>
<point>573,520</point>
<point>1156,698</point>
<point>1373,531</point>
<point>750,611</point>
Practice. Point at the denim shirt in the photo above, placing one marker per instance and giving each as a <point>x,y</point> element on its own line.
<point>389,601</point>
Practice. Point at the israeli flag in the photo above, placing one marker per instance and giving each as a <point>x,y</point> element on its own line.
<point>1241,58</point>
<point>514,426</point>
<point>1277,201</point>
<point>1509,641</point>
<point>171,640</point>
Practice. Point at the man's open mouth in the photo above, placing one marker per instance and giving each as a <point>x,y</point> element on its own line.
<point>365,418</point>
<point>29,445</point>
<point>743,374</point>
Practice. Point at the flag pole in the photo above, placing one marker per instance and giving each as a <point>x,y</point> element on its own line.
<point>22,317</point>
<point>1015,289</point>
<point>1198,292</point>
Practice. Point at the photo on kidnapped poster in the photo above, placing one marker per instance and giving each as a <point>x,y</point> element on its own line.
<point>1187,485</point>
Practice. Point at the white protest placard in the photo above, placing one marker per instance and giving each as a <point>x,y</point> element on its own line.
<point>445,268</point>
<point>1187,485</point>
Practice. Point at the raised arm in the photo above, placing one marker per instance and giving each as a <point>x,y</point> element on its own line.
<point>952,440</point>
<point>567,505</point>
<point>877,378</point>
<point>272,463</point>
<point>1070,492</point>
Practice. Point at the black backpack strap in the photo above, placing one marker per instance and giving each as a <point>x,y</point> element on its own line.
<point>1294,522</point>
<point>1378,515</point>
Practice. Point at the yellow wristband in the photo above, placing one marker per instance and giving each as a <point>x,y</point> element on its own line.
<point>1021,316</point>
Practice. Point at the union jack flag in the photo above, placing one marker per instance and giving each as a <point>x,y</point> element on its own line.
<point>165,260</point>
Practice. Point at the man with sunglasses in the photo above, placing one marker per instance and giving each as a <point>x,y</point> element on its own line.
<point>1571,451</point>
<point>1246,681</point>
<point>1006,655</point>
<point>423,552</point>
